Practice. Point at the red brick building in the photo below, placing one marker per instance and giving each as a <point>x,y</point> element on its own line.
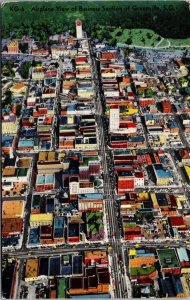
<point>166,106</point>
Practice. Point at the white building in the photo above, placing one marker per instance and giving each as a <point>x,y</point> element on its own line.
<point>114,119</point>
<point>79,31</point>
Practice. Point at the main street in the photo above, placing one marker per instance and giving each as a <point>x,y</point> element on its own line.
<point>109,195</point>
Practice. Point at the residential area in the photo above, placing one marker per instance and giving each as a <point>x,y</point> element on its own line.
<point>95,169</point>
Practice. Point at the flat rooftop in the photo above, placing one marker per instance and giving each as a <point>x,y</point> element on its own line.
<point>41,217</point>
<point>46,156</point>
<point>24,162</point>
<point>96,254</point>
<point>13,209</point>
<point>45,179</point>
<point>31,268</point>
<point>12,225</point>
<point>26,143</point>
<point>7,141</point>
<point>168,258</point>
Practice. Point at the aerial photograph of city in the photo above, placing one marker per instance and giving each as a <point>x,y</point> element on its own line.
<point>95,149</point>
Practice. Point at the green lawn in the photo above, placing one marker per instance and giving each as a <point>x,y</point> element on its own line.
<point>139,37</point>
<point>180,42</point>
<point>131,224</point>
<point>141,271</point>
<point>145,38</point>
<point>62,288</point>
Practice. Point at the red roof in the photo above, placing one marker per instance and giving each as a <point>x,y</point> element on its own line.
<point>126,184</point>
<point>80,59</point>
<point>113,106</point>
<point>133,125</point>
<point>139,174</point>
<point>130,94</point>
<point>176,221</point>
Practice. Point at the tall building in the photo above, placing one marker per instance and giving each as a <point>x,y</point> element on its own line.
<point>114,119</point>
<point>79,29</point>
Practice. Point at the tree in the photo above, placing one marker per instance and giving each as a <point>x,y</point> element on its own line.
<point>56,65</point>
<point>129,41</point>
<point>149,93</point>
<point>140,92</point>
<point>149,217</point>
<point>35,63</point>
<point>119,33</point>
<point>18,111</point>
<point>187,90</point>
<point>24,48</point>
<point>149,35</point>
<point>100,36</point>
<point>8,94</point>
<point>113,41</point>
<point>24,69</point>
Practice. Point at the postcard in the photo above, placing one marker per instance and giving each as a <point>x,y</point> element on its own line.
<point>95,146</point>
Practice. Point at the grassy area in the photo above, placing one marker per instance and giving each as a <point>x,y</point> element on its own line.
<point>62,288</point>
<point>145,38</point>
<point>139,37</point>
<point>141,271</point>
<point>168,254</point>
<point>163,43</point>
<point>180,42</point>
<point>131,224</point>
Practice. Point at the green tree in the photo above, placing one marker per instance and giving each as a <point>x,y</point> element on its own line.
<point>149,35</point>
<point>18,111</point>
<point>149,93</point>
<point>24,69</point>
<point>113,41</point>
<point>187,90</point>
<point>129,41</point>
<point>119,33</point>
<point>149,217</point>
<point>24,48</point>
<point>140,92</point>
<point>8,97</point>
<point>100,36</point>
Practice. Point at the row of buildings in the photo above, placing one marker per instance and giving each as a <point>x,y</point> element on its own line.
<point>160,273</point>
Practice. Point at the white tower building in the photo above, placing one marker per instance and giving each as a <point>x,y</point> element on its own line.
<point>79,29</point>
<point>114,119</point>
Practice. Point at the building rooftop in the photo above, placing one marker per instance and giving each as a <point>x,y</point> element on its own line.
<point>24,162</point>
<point>41,217</point>
<point>18,86</point>
<point>12,225</point>
<point>13,209</point>
<point>90,196</point>
<point>7,141</point>
<point>46,156</point>
<point>176,221</point>
<point>168,258</point>
<point>161,173</point>
<point>26,143</point>
<point>96,254</point>
<point>182,253</point>
<point>10,171</point>
<point>45,179</point>
<point>31,268</point>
